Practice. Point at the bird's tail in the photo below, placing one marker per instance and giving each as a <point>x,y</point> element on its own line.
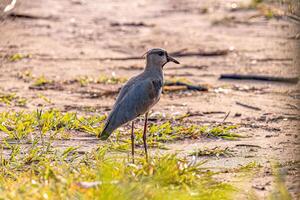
<point>105,133</point>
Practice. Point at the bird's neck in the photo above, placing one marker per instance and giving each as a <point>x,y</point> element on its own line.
<point>154,70</point>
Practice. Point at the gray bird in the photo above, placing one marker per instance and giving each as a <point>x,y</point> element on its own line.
<point>138,96</point>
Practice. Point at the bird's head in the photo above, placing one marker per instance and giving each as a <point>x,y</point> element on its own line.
<point>158,57</point>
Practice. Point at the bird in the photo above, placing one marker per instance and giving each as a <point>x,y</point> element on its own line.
<point>138,96</point>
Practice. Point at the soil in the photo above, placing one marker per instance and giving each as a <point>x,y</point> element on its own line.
<point>68,39</point>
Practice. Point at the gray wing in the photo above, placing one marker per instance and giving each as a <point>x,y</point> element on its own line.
<point>137,100</point>
<point>125,89</point>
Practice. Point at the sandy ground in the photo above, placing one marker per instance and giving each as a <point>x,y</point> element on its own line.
<point>67,39</point>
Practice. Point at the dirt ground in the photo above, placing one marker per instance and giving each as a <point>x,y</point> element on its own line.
<point>68,39</point>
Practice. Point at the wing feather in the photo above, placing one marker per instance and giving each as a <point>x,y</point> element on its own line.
<point>132,102</point>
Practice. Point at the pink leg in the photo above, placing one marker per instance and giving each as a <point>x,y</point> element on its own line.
<point>132,141</point>
<point>145,136</point>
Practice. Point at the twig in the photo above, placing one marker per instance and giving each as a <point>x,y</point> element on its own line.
<point>226,117</point>
<point>292,106</point>
<point>260,78</point>
<point>247,106</point>
<point>271,59</point>
<point>28,16</point>
<point>214,112</point>
<point>247,145</point>
<point>192,114</point>
<point>293,17</point>
<point>134,24</point>
<point>201,53</point>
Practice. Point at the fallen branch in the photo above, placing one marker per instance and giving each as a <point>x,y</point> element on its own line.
<point>247,106</point>
<point>214,112</point>
<point>192,114</point>
<point>47,86</point>
<point>134,24</point>
<point>29,16</point>
<point>188,86</point>
<point>260,78</point>
<point>275,119</point>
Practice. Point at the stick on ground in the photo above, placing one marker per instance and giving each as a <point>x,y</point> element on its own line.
<point>260,78</point>
<point>219,52</point>
<point>247,106</point>
<point>188,86</point>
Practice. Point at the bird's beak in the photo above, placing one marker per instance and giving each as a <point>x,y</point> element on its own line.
<point>169,58</point>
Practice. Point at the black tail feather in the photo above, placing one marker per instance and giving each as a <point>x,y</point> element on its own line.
<point>105,133</point>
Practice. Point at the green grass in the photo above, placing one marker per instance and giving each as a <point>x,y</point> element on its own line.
<point>18,56</point>
<point>41,81</point>
<point>49,173</point>
<point>159,134</point>
<point>43,97</point>
<point>255,3</point>
<point>111,80</point>
<point>251,166</point>
<point>224,132</point>
<point>38,170</point>
<point>168,132</point>
<point>103,79</point>
<point>19,125</point>
<point>12,99</point>
<point>84,80</point>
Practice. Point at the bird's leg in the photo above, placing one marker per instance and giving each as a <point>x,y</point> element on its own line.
<point>132,141</point>
<point>145,136</point>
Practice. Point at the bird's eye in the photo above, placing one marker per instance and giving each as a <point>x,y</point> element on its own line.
<point>160,53</point>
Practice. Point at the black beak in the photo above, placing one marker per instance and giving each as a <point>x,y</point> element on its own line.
<point>169,58</point>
